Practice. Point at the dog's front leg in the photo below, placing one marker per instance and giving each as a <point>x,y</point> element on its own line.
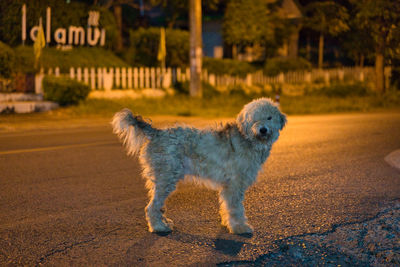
<point>232,210</point>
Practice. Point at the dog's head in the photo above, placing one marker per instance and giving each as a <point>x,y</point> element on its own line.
<point>261,120</point>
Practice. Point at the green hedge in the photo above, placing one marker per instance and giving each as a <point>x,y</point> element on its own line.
<point>64,90</point>
<point>144,47</point>
<point>274,66</point>
<point>209,91</point>
<point>7,60</point>
<point>227,66</point>
<point>342,90</point>
<point>77,57</point>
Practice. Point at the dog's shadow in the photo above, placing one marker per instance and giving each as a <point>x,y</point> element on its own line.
<point>228,246</point>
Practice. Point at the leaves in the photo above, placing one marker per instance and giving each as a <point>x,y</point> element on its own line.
<point>248,22</point>
<point>327,18</point>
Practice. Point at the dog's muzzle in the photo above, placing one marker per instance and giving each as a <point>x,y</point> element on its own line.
<point>264,133</point>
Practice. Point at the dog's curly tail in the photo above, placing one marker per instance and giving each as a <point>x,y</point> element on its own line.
<point>132,130</point>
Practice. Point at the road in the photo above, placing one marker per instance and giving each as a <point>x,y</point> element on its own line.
<point>72,197</point>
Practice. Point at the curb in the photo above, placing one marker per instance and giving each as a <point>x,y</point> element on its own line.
<point>393,159</point>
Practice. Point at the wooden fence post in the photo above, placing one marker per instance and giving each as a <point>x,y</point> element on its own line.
<point>117,78</point>
<point>147,77</point>
<point>72,73</point>
<point>135,78</point>
<point>326,77</point>
<point>123,78</point>
<point>92,79</point>
<point>141,77</point>
<point>86,75</point>
<point>153,77</point>
<point>281,78</point>
<point>129,78</point>
<point>100,84</point>
<point>79,74</point>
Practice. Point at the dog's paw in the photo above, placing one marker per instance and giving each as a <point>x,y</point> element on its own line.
<point>240,229</point>
<point>164,226</point>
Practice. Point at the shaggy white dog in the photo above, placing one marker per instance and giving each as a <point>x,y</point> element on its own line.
<point>226,159</point>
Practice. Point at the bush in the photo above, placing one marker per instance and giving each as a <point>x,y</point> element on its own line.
<point>342,90</point>
<point>145,42</point>
<point>77,57</point>
<point>227,66</point>
<point>64,90</point>
<point>274,66</point>
<point>7,60</point>
<point>209,91</point>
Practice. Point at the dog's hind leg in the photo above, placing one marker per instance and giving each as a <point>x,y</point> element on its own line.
<point>232,210</point>
<point>158,192</point>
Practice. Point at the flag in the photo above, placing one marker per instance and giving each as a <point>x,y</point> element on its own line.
<point>161,48</point>
<point>40,42</point>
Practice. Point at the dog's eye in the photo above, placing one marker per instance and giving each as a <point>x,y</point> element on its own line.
<point>269,118</point>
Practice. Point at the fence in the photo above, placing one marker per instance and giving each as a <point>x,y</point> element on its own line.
<point>137,78</point>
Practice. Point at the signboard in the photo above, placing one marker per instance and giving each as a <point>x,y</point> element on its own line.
<point>71,35</point>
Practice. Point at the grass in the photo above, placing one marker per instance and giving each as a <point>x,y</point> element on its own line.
<point>92,111</point>
<point>229,106</point>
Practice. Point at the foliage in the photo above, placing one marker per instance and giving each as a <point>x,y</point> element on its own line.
<point>7,60</point>
<point>227,66</point>
<point>381,18</point>
<point>248,22</point>
<point>145,43</point>
<point>342,90</point>
<point>225,106</point>
<point>208,90</point>
<point>274,66</point>
<point>64,91</point>
<point>175,9</point>
<point>63,15</point>
<point>326,17</point>
<point>77,57</point>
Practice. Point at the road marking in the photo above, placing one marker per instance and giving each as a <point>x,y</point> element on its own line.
<point>39,149</point>
<point>393,159</point>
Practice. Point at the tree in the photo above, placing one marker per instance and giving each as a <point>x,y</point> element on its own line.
<point>381,18</point>
<point>173,9</point>
<point>116,5</point>
<point>326,18</point>
<point>357,44</point>
<point>248,22</point>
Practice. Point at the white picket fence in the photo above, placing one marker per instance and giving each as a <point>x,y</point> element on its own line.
<point>139,78</point>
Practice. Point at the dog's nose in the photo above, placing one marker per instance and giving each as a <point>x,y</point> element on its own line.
<point>263,131</point>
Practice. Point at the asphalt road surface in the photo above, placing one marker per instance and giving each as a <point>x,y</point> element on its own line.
<point>72,197</point>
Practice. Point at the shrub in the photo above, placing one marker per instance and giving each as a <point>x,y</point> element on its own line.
<point>64,90</point>
<point>227,66</point>
<point>145,42</point>
<point>209,91</point>
<point>342,90</point>
<point>7,60</point>
<point>274,66</point>
<point>77,57</point>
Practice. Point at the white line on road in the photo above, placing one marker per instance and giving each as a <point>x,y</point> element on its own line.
<point>394,159</point>
<point>39,149</point>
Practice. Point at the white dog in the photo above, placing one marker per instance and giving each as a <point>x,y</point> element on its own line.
<point>226,159</point>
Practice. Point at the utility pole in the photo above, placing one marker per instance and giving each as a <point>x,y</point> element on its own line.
<point>196,51</point>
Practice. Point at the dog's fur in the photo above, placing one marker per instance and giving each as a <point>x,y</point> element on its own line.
<point>226,159</point>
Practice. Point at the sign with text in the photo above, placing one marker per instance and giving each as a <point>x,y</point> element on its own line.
<point>71,35</point>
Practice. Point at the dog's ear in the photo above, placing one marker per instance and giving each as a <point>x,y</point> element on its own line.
<point>283,120</point>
